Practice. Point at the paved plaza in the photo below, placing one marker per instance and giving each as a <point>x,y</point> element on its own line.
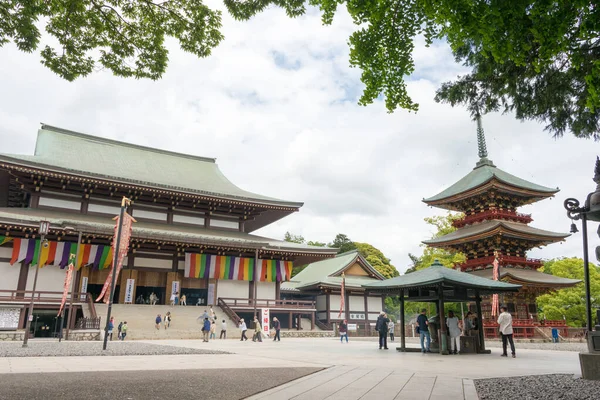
<point>356,370</point>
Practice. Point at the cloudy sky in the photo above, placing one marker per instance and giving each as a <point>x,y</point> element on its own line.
<point>276,104</point>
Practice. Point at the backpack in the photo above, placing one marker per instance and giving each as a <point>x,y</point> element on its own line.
<point>378,324</point>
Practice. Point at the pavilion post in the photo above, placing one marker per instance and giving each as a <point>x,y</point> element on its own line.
<point>255,280</point>
<point>443,332</point>
<point>402,322</point>
<point>479,322</point>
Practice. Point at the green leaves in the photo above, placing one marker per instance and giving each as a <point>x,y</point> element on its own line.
<point>124,36</point>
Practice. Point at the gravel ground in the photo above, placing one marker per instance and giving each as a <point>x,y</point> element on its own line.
<point>546,387</point>
<point>217,384</point>
<point>115,348</point>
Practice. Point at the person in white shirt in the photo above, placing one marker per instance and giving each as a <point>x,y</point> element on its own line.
<point>223,330</point>
<point>391,330</point>
<point>506,329</point>
<point>243,328</point>
<point>454,332</point>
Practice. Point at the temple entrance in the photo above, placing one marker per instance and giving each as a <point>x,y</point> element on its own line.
<point>95,290</point>
<point>149,282</point>
<point>195,291</point>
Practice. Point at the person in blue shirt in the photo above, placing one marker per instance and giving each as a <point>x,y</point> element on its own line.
<point>423,326</point>
<point>205,330</point>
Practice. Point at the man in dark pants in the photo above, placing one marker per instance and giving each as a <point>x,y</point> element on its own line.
<point>506,329</point>
<point>382,327</point>
<point>277,327</point>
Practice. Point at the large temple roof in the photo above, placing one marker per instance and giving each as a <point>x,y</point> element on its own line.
<point>493,227</point>
<point>60,150</point>
<point>91,224</point>
<point>527,276</point>
<point>328,273</point>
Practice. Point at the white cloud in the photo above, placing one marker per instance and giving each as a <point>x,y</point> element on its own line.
<point>297,133</point>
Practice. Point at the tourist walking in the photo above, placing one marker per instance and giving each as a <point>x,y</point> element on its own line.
<point>243,328</point>
<point>203,316</point>
<point>343,331</point>
<point>213,329</point>
<point>183,300</point>
<point>257,331</point>
<point>173,297</point>
<point>223,334</point>
<point>506,329</point>
<point>277,327</point>
<point>153,298</point>
<point>391,329</point>
<point>167,320</point>
<point>454,332</point>
<point>423,327</point>
<point>119,330</point>
<point>205,330</point>
<point>158,320</point>
<point>111,327</point>
<point>212,313</point>
<point>382,327</point>
<point>124,330</point>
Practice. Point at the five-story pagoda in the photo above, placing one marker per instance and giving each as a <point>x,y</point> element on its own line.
<point>492,228</point>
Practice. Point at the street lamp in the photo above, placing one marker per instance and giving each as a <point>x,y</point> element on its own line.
<point>43,231</point>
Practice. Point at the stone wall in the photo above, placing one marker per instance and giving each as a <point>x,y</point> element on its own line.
<point>9,336</point>
<point>303,334</point>
<point>84,335</point>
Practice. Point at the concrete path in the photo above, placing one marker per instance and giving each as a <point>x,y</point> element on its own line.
<point>355,370</point>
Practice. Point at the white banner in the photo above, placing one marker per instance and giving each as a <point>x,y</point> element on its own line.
<point>211,294</point>
<point>84,283</point>
<point>352,327</point>
<point>265,320</point>
<point>175,287</point>
<point>129,291</point>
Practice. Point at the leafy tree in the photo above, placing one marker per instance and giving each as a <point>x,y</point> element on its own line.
<point>317,244</point>
<point>376,258</point>
<point>343,243</point>
<point>569,303</point>
<point>288,237</point>
<point>126,37</point>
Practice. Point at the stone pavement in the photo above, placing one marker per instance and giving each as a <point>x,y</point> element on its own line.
<point>357,370</point>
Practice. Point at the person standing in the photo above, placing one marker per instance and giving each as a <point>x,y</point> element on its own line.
<point>506,329</point>
<point>468,324</point>
<point>158,320</point>
<point>203,317</point>
<point>124,330</point>
<point>423,326</point>
<point>382,327</point>
<point>205,330</point>
<point>343,331</point>
<point>391,329</point>
<point>111,327</point>
<point>277,327</point>
<point>167,320</point>
<point>454,332</point>
<point>213,329</point>
<point>119,330</point>
<point>223,334</point>
<point>183,300</point>
<point>243,328</point>
<point>257,331</point>
<point>173,297</point>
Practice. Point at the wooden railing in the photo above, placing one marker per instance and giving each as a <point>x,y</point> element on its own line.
<point>88,323</point>
<point>323,326</point>
<point>502,260</point>
<point>269,303</point>
<point>493,214</point>
<point>228,311</point>
<point>22,296</point>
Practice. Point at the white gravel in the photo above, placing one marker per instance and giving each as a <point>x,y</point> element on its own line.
<point>546,387</point>
<point>114,348</point>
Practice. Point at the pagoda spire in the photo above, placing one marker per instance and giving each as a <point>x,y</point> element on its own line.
<point>481,146</point>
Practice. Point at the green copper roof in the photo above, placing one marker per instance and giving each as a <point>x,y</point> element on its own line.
<point>437,274</point>
<point>326,272</point>
<point>510,228</point>
<point>71,152</point>
<point>528,276</point>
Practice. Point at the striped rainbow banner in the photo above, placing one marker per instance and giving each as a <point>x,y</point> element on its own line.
<point>57,253</point>
<point>204,266</point>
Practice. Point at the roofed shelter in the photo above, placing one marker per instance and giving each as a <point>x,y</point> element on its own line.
<point>438,284</point>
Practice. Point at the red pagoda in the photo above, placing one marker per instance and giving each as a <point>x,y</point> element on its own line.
<point>491,227</point>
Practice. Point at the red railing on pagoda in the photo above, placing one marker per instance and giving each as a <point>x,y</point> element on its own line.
<point>502,260</point>
<point>525,328</point>
<point>492,214</point>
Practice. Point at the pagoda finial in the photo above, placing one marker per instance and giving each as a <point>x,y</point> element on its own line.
<point>481,146</point>
<point>597,171</point>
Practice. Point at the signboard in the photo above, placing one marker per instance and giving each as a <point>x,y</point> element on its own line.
<point>175,287</point>
<point>357,316</point>
<point>352,327</point>
<point>129,291</point>
<point>84,283</point>
<point>211,293</point>
<point>265,317</point>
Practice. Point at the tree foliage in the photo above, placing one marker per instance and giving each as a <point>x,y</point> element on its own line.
<point>377,259</point>
<point>569,303</point>
<point>343,243</point>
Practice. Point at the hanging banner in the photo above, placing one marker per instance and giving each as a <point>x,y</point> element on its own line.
<point>204,266</point>
<point>129,291</point>
<point>57,253</point>
<point>121,252</point>
<point>211,294</point>
<point>84,284</point>
<point>265,313</point>
<point>174,287</point>
<point>67,285</point>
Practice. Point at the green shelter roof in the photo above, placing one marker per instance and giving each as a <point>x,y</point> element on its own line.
<point>328,273</point>
<point>65,151</point>
<point>438,274</point>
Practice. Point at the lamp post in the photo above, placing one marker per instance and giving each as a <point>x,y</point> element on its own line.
<point>43,231</point>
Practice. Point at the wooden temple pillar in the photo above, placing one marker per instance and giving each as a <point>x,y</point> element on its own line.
<point>290,320</point>
<point>312,321</point>
<point>402,322</point>
<point>481,344</point>
<point>328,307</point>
<point>442,315</point>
